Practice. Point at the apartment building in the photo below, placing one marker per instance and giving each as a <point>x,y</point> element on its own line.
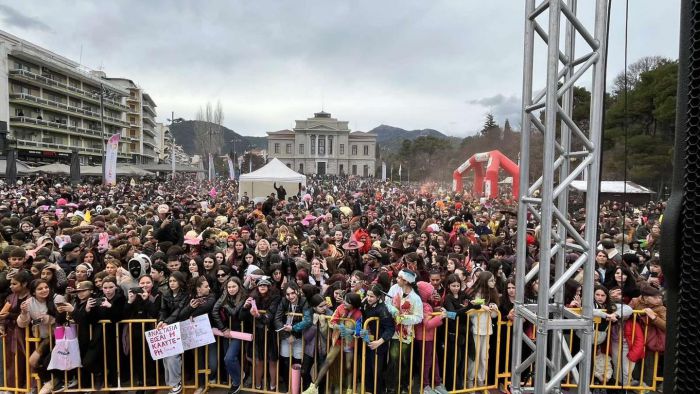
<point>53,105</point>
<point>141,118</point>
<point>324,145</point>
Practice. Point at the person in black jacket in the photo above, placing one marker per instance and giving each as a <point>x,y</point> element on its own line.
<point>171,305</point>
<point>89,331</point>
<point>225,317</point>
<point>381,330</point>
<point>458,302</point>
<point>169,230</point>
<point>110,308</point>
<point>141,304</point>
<point>201,302</point>
<point>293,316</point>
<point>281,192</point>
<point>265,298</point>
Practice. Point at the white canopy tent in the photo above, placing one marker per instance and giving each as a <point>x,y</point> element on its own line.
<point>259,183</point>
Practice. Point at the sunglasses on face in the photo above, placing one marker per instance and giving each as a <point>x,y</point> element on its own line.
<point>221,275</point>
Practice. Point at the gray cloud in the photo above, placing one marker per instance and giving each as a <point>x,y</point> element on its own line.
<point>366,62</point>
<point>14,18</point>
<point>502,107</point>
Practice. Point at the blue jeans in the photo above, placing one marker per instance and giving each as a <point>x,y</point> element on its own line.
<point>232,360</point>
<point>213,360</point>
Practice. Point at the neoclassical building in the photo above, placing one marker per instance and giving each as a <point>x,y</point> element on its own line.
<point>324,145</point>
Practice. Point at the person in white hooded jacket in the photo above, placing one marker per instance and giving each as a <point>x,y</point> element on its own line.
<point>405,305</point>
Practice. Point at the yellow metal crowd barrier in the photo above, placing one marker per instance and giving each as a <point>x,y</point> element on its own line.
<point>471,359</point>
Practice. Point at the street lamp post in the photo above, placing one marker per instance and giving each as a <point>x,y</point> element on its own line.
<point>233,159</point>
<point>172,121</point>
<point>102,130</point>
<point>104,93</point>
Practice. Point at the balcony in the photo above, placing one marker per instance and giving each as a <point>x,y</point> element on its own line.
<point>55,126</point>
<point>29,76</point>
<point>149,131</point>
<point>115,121</point>
<point>50,104</point>
<point>148,119</point>
<point>149,141</point>
<point>149,109</point>
<point>64,148</point>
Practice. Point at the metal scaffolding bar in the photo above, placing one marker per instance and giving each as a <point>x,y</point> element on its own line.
<point>561,166</point>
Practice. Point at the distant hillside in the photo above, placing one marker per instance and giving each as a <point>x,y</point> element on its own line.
<point>184,135</point>
<point>390,138</point>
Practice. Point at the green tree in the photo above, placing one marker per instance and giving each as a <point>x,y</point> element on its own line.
<point>489,124</point>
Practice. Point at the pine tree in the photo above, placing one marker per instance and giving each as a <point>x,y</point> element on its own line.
<point>489,124</point>
<point>507,131</point>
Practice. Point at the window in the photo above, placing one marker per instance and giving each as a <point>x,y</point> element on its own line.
<point>288,149</point>
<point>289,165</point>
<point>341,170</point>
<point>321,146</point>
<point>22,66</point>
<point>365,150</point>
<point>21,89</point>
<point>53,97</point>
<point>301,149</point>
<point>354,169</point>
<point>277,147</point>
<point>365,170</point>
<point>354,151</point>
<point>301,166</point>
<point>313,144</point>
<point>330,144</point>
<point>342,149</point>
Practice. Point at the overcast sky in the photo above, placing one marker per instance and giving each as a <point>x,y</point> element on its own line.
<point>411,64</point>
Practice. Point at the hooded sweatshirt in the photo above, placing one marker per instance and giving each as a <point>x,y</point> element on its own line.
<point>430,322</point>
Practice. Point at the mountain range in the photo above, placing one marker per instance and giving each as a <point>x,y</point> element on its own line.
<point>389,138</point>
<point>184,136</point>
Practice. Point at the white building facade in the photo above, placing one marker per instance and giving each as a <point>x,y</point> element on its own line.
<point>324,145</point>
<point>52,106</point>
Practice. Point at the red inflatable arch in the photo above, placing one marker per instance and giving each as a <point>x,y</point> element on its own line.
<point>495,160</point>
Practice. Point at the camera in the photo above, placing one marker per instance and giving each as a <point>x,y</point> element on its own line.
<point>136,290</point>
<point>99,301</point>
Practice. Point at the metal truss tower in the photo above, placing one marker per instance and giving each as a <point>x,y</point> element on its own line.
<point>570,150</point>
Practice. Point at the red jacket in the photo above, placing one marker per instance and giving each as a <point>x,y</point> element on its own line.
<point>365,247</point>
<point>430,322</point>
<point>636,346</point>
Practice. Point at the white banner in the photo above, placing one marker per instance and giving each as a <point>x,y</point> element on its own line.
<point>196,332</point>
<point>383,171</point>
<point>211,167</point>
<point>231,170</point>
<point>110,175</point>
<point>165,342</point>
<point>175,338</point>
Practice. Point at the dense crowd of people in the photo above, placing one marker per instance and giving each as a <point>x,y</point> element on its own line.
<point>435,268</point>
